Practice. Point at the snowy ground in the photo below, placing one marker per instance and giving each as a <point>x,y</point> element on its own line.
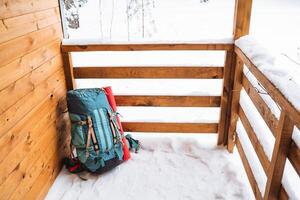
<point>167,167</point>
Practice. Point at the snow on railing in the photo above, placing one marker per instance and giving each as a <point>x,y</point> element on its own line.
<point>278,80</point>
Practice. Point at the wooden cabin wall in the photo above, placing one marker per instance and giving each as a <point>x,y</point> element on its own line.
<point>32,98</point>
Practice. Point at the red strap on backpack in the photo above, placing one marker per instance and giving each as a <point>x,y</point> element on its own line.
<point>112,102</point>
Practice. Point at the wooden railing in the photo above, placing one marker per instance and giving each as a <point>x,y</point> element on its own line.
<point>233,81</point>
<point>167,72</point>
<point>282,130</point>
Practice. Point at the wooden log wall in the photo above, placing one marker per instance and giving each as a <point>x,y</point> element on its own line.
<point>33,125</point>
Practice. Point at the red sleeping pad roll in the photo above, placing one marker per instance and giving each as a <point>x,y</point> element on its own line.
<point>112,102</point>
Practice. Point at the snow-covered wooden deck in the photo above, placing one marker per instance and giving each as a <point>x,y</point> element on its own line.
<point>177,167</point>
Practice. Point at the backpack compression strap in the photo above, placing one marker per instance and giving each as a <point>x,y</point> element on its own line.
<point>90,136</point>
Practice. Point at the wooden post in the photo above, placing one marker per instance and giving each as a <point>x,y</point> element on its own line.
<point>241,27</point>
<point>237,70</point>
<point>225,98</point>
<point>279,156</point>
<point>242,15</point>
<point>68,68</point>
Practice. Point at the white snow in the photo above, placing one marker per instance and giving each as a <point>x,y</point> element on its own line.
<point>131,20</point>
<point>146,58</point>
<point>256,167</point>
<point>291,181</point>
<point>296,136</point>
<point>283,73</point>
<point>167,167</point>
<point>178,87</point>
<point>258,124</point>
<point>94,41</point>
<point>169,114</point>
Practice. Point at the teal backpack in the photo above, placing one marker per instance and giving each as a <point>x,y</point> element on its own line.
<point>95,133</point>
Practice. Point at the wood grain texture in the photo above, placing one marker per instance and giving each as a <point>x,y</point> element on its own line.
<point>260,105</point>
<point>32,89</point>
<point>241,25</point>
<point>170,127</point>
<point>16,112</point>
<point>23,130</point>
<point>226,98</point>
<point>69,71</point>
<point>30,165</point>
<point>234,103</point>
<point>145,47</point>
<point>149,72</point>
<point>279,156</point>
<point>169,101</point>
<point>23,45</point>
<point>242,16</point>
<point>28,83</point>
<point>14,32</point>
<point>13,8</point>
<point>25,64</point>
<point>276,95</point>
<point>48,150</point>
<point>45,180</point>
<point>248,170</point>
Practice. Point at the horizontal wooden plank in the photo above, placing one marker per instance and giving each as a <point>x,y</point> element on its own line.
<point>25,128</point>
<point>19,181</point>
<point>42,23</point>
<point>48,149</point>
<point>23,65</point>
<point>25,143</point>
<point>264,161</point>
<point>18,31</point>
<point>248,170</point>
<point>12,8</point>
<point>27,83</point>
<point>149,72</point>
<point>23,45</point>
<point>294,157</point>
<point>16,112</point>
<point>271,88</point>
<point>38,18</point>
<point>42,184</point>
<point>169,101</point>
<point>170,127</point>
<point>145,47</point>
<point>2,26</point>
<point>260,105</point>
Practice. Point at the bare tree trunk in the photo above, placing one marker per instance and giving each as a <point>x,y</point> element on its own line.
<point>128,25</point>
<point>100,12</point>
<point>143,19</point>
<point>112,19</point>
